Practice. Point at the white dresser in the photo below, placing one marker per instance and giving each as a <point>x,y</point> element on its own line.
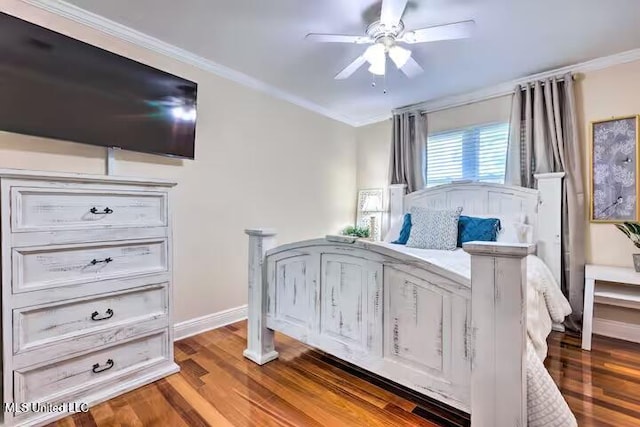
<point>86,288</point>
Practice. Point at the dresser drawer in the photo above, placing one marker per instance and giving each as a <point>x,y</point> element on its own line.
<point>49,267</point>
<point>38,326</point>
<point>48,382</point>
<point>44,209</point>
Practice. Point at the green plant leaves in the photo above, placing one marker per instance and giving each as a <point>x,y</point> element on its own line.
<point>631,230</point>
<point>356,231</point>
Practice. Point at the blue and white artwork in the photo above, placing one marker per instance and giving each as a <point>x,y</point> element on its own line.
<point>614,173</point>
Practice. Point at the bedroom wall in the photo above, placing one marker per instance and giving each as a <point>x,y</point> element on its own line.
<point>259,162</point>
<point>610,92</point>
<point>613,91</point>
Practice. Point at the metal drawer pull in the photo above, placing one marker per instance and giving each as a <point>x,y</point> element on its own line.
<point>97,369</point>
<point>108,315</point>
<point>106,211</point>
<point>106,261</point>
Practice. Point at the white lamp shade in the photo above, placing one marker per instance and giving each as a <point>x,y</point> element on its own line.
<point>374,53</point>
<point>372,203</point>
<point>399,55</point>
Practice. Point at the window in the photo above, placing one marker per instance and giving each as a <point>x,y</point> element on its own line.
<point>478,153</point>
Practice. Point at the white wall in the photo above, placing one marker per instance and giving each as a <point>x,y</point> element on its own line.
<point>259,162</point>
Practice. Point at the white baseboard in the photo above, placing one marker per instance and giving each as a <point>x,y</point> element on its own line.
<point>615,329</point>
<point>208,322</point>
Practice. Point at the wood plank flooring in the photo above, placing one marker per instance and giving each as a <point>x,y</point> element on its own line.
<point>304,387</point>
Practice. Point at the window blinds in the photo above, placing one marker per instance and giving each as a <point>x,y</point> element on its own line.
<point>478,153</point>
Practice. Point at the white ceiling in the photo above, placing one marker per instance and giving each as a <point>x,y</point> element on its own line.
<point>265,40</point>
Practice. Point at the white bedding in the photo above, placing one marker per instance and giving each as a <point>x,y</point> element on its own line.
<point>545,304</point>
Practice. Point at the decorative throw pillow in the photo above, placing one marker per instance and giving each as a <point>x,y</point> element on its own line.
<point>471,228</point>
<point>405,231</point>
<point>434,229</point>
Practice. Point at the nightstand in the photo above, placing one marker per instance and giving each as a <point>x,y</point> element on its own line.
<point>623,290</point>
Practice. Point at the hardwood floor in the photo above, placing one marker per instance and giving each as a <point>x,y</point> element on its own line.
<point>304,387</point>
<point>602,386</point>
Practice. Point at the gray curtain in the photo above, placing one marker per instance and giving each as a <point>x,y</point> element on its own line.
<point>409,150</point>
<point>544,138</point>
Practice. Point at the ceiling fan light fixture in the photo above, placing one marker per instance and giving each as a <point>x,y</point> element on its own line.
<point>378,67</point>
<point>375,54</point>
<point>399,55</point>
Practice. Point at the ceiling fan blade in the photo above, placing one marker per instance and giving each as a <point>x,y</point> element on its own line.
<point>457,30</point>
<point>411,68</point>
<point>338,38</point>
<point>392,11</point>
<point>351,68</point>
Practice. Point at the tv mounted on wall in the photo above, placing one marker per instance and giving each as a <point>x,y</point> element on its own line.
<point>57,87</point>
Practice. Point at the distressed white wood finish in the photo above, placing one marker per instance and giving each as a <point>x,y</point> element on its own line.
<point>460,341</point>
<point>499,322</point>
<point>45,209</point>
<point>549,242</point>
<point>542,208</point>
<point>353,316</point>
<point>49,267</point>
<point>45,383</point>
<point>351,295</point>
<point>388,312</point>
<point>50,287</point>
<point>260,347</point>
<point>36,326</point>
<point>396,204</point>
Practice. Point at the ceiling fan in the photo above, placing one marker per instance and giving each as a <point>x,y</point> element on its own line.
<point>384,37</point>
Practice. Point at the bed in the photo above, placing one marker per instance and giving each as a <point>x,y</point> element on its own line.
<point>464,327</point>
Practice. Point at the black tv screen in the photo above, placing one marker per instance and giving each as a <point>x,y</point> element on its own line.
<point>55,86</point>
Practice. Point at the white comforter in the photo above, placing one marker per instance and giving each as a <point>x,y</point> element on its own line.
<point>545,304</point>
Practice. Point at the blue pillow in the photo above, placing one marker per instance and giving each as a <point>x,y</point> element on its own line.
<point>477,229</point>
<point>405,231</point>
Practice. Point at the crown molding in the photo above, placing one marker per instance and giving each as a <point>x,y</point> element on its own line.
<point>107,26</point>
<point>112,28</point>
<point>507,88</point>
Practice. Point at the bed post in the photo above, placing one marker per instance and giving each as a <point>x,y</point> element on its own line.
<point>549,239</point>
<point>396,203</point>
<point>260,347</point>
<point>499,335</point>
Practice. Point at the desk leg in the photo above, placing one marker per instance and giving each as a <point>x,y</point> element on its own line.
<point>587,314</point>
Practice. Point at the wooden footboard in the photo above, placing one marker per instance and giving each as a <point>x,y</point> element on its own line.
<point>456,340</point>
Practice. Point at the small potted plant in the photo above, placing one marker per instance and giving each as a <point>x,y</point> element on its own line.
<point>632,231</point>
<point>356,231</point>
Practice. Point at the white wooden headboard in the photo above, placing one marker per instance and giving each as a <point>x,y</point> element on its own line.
<point>541,208</point>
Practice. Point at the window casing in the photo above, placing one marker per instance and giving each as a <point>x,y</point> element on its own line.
<point>477,153</point>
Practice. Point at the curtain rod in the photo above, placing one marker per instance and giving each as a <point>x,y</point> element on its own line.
<point>497,94</point>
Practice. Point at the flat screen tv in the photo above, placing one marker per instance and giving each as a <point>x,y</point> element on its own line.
<point>55,86</point>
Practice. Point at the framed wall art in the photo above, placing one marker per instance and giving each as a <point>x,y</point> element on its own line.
<point>614,170</point>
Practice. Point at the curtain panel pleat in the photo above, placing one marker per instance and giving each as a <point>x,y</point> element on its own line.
<point>544,138</point>
<point>408,158</point>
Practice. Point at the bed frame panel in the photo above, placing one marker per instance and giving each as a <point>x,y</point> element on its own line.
<point>459,341</point>
<point>541,206</point>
